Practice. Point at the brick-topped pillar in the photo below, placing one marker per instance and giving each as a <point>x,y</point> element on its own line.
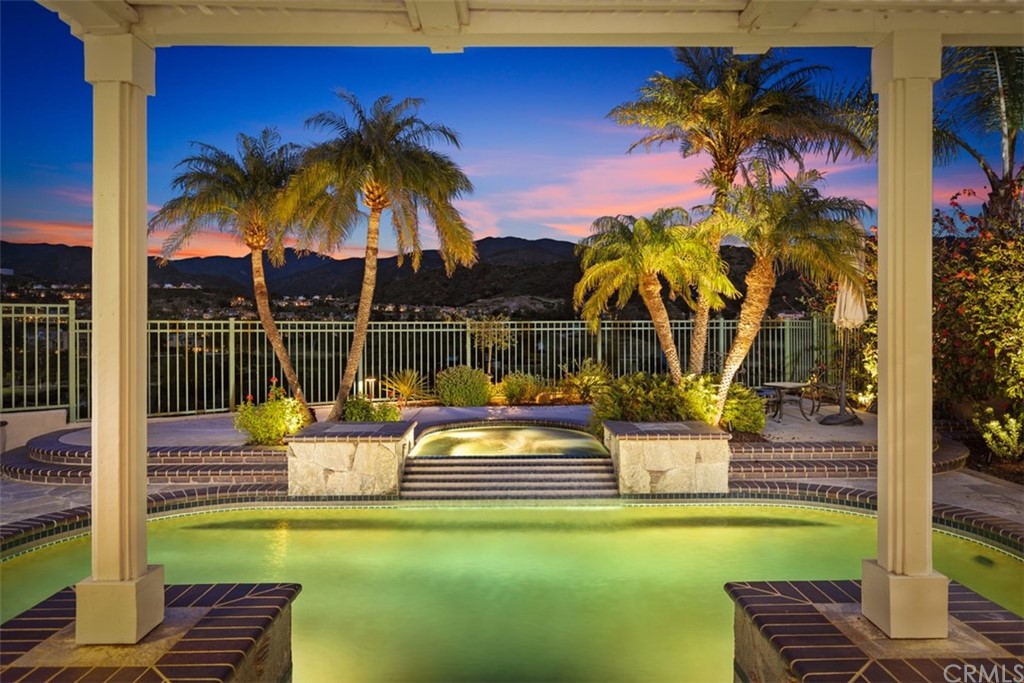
<point>902,594</point>
<point>123,599</point>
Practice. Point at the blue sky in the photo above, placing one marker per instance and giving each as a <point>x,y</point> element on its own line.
<point>536,142</point>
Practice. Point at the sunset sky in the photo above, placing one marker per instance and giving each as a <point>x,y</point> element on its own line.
<point>536,142</point>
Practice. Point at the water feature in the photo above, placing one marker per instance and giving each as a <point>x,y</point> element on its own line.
<point>508,440</point>
<point>516,594</point>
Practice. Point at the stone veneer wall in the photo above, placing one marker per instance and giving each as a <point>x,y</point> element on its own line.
<point>668,457</point>
<point>349,458</point>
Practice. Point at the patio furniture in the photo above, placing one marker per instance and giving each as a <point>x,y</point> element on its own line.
<point>783,389</point>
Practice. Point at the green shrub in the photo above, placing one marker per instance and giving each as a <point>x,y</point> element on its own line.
<point>744,410</point>
<point>638,398</point>
<point>589,379</point>
<point>1004,436</point>
<point>269,423</point>
<point>406,385</point>
<point>519,388</point>
<point>362,409</point>
<point>698,395</point>
<point>461,385</point>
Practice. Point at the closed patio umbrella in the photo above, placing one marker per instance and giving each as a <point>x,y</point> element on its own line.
<point>851,312</point>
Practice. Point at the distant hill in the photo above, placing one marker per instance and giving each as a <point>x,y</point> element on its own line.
<point>508,267</point>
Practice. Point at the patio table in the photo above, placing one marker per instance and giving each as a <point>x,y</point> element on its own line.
<point>782,388</point>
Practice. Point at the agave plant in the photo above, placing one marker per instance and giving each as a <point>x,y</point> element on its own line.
<point>406,385</point>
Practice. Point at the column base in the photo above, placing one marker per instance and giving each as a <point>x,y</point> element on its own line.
<point>119,612</point>
<point>905,606</point>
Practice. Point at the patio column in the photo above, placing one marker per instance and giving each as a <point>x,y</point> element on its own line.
<point>902,594</point>
<point>123,599</point>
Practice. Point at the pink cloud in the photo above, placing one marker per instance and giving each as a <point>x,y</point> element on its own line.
<point>76,196</point>
<point>72,233</point>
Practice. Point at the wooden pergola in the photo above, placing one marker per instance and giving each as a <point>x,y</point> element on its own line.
<point>122,600</point>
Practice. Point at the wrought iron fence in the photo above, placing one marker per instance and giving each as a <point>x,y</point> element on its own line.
<point>199,366</point>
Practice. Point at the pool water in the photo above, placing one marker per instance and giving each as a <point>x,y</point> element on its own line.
<point>512,594</point>
<point>508,440</point>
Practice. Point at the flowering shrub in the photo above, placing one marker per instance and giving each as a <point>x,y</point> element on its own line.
<point>1003,436</point>
<point>978,312</point>
<point>278,417</point>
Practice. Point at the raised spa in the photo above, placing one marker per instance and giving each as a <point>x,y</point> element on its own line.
<point>508,440</point>
<point>512,594</point>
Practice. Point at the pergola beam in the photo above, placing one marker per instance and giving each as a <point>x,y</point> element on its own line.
<point>456,24</point>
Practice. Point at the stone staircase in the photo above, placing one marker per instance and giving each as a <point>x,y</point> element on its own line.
<point>508,477</point>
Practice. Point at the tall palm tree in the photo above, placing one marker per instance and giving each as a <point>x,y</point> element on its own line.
<point>623,255</point>
<point>243,196</point>
<point>736,110</point>
<point>981,93</point>
<point>792,227</point>
<point>383,157</point>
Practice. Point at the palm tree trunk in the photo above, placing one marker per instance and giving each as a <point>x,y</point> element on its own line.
<point>355,351</point>
<point>701,319</point>
<point>650,292</point>
<point>760,283</point>
<point>262,297</point>
<point>724,172</point>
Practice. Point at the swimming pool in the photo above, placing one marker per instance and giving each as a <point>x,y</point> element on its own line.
<point>517,594</point>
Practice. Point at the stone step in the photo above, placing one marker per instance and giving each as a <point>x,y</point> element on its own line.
<point>534,485</point>
<point>508,494</point>
<point>468,471</point>
<point>512,476</point>
<point>861,468</point>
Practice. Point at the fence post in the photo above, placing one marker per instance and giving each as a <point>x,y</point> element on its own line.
<point>722,349</point>
<point>73,388</point>
<point>787,349</point>
<point>600,344</point>
<point>469,345</point>
<point>232,367</point>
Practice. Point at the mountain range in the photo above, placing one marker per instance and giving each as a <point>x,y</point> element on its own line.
<point>507,267</point>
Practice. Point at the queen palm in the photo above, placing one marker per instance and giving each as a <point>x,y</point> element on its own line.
<point>735,110</point>
<point>624,255</point>
<point>982,92</point>
<point>383,157</point>
<point>242,196</point>
<point>791,227</point>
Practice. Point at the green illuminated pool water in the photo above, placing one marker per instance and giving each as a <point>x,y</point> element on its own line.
<point>513,594</point>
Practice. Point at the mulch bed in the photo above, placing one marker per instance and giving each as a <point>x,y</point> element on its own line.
<point>981,460</point>
<point>747,437</point>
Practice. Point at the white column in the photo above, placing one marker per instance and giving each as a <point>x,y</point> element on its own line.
<point>902,595</point>
<point>123,599</point>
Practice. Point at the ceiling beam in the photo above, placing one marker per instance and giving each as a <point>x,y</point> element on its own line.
<point>451,25</point>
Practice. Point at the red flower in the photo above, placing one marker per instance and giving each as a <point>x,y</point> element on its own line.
<point>248,397</point>
<point>273,380</point>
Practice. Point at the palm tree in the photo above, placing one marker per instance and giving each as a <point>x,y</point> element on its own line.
<point>240,195</point>
<point>981,93</point>
<point>383,157</point>
<point>624,255</point>
<point>984,94</point>
<point>736,110</point>
<point>790,227</point>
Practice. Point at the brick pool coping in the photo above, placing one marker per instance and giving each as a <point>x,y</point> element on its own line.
<point>234,618</point>
<point>24,535</point>
<point>788,615</point>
